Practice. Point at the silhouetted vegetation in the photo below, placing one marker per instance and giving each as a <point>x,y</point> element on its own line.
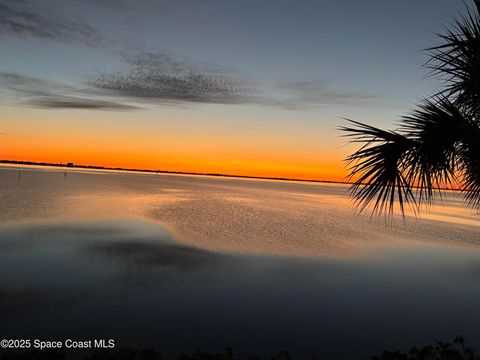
<point>456,350</point>
<point>125,354</point>
<point>228,354</point>
<point>144,354</point>
<point>436,146</point>
<point>34,355</point>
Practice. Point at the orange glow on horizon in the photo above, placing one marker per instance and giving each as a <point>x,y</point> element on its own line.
<point>195,159</point>
<point>183,146</point>
<point>205,166</point>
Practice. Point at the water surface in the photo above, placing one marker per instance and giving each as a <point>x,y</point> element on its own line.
<point>186,262</point>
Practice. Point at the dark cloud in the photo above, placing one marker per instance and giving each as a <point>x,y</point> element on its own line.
<point>35,20</point>
<point>299,94</point>
<point>36,92</point>
<point>70,102</point>
<point>161,77</point>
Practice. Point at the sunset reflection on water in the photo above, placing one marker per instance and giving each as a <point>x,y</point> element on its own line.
<point>158,259</point>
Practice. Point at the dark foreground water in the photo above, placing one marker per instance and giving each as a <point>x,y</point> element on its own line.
<point>181,263</point>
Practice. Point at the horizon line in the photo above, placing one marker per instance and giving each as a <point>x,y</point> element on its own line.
<point>70,165</point>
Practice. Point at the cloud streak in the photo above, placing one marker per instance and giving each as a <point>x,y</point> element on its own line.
<point>301,94</point>
<point>35,92</point>
<point>163,78</point>
<point>152,78</point>
<point>23,19</point>
<point>70,102</point>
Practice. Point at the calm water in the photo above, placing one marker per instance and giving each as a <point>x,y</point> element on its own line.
<point>184,262</point>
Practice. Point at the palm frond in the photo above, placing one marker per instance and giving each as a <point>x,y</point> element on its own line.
<point>438,145</point>
<point>436,128</point>
<point>377,168</point>
<point>457,59</point>
<point>470,163</point>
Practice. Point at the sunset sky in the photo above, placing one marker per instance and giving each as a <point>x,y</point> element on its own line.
<point>237,87</point>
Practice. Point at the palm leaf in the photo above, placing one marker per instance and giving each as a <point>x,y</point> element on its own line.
<point>436,146</point>
<point>377,168</point>
<point>470,166</point>
<point>457,59</point>
<point>436,127</point>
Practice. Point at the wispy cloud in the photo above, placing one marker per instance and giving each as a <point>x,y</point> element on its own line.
<point>35,92</point>
<point>152,78</point>
<point>164,78</point>
<point>27,19</point>
<point>71,102</point>
<point>301,94</point>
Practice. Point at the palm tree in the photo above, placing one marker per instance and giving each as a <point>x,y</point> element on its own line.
<point>435,147</point>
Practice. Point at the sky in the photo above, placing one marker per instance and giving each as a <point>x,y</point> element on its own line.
<point>235,87</point>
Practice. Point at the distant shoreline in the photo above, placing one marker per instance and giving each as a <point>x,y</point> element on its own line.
<point>97,167</point>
